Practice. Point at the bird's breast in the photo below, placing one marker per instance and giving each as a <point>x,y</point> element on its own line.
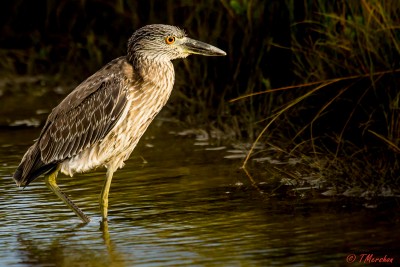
<point>143,106</point>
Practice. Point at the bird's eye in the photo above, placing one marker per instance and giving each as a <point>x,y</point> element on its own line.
<point>169,40</point>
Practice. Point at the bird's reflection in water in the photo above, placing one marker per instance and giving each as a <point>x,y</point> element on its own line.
<point>67,247</point>
<point>115,257</point>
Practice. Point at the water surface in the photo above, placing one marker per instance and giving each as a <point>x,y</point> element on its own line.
<point>177,203</point>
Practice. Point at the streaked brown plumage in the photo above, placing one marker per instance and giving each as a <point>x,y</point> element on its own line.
<point>101,121</point>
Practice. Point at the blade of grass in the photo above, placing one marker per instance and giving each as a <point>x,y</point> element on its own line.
<point>391,145</point>
<point>334,80</point>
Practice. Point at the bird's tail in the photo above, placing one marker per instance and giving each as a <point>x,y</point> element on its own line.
<point>31,167</point>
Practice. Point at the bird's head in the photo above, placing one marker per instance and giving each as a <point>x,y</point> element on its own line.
<point>165,42</point>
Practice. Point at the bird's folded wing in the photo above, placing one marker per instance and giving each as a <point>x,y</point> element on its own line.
<point>74,126</point>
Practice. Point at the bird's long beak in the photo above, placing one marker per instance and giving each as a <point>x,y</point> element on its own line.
<point>196,47</point>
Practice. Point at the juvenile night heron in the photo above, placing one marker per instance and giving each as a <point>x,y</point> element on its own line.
<point>100,122</point>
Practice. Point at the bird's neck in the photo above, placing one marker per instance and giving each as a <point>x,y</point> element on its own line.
<point>160,73</point>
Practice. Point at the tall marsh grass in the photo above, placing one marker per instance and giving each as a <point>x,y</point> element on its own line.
<point>345,106</point>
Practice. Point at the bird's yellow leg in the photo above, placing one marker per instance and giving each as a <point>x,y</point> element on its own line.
<point>104,194</point>
<point>52,185</point>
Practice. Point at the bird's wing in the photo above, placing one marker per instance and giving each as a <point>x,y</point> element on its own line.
<point>86,116</point>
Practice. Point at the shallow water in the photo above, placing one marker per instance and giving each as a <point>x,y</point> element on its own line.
<point>179,204</point>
